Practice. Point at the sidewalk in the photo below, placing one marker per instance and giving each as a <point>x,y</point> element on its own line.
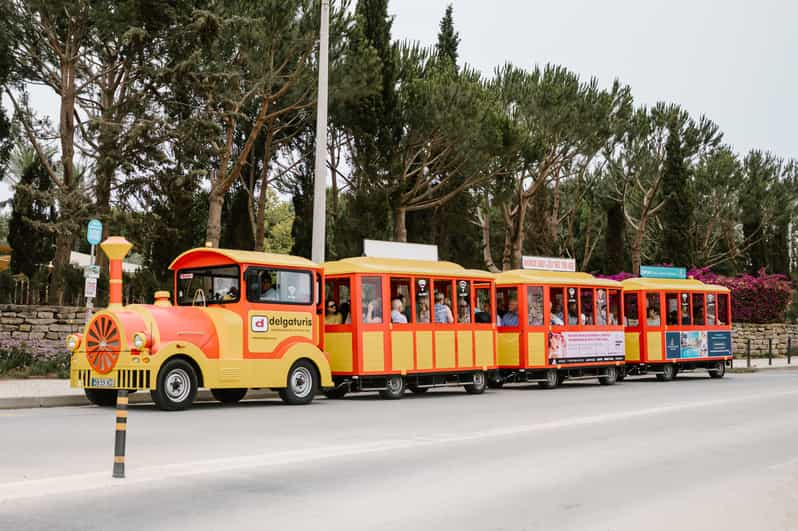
<point>40,392</point>
<point>762,363</point>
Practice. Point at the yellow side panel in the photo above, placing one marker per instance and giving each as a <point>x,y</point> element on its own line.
<point>508,348</point>
<point>401,350</point>
<point>373,352</point>
<point>632,346</point>
<point>339,346</point>
<point>484,348</point>
<point>654,345</point>
<point>444,350</point>
<point>268,329</point>
<point>465,349</point>
<point>536,349</point>
<point>229,329</point>
<point>424,349</point>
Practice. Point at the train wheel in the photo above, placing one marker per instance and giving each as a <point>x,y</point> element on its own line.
<point>101,397</point>
<point>478,386</point>
<point>229,396</point>
<point>494,382</point>
<point>176,387</point>
<point>337,392</point>
<point>417,390</point>
<point>667,374</point>
<point>551,381</point>
<point>395,388</point>
<point>301,384</point>
<point>719,371</point>
<point>610,378</point>
<point>621,374</point>
<point>561,377</point>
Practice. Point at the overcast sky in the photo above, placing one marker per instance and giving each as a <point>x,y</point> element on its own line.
<point>732,60</point>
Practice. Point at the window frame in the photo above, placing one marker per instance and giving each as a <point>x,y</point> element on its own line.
<point>308,272</point>
<point>205,268</point>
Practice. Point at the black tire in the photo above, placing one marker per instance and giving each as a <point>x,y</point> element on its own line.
<point>176,387</point>
<point>494,382</point>
<point>336,393</point>
<point>667,374</point>
<point>394,388</point>
<point>561,377</point>
<point>301,384</point>
<point>417,390</point>
<point>621,374</point>
<point>479,385</point>
<point>610,378</point>
<point>229,396</point>
<point>552,379</point>
<point>101,397</point>
<point>719,371</point>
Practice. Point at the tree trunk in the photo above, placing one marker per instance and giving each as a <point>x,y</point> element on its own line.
<point>63,248</point>
<point>106,158</point>
<point>487,255</point>
<point>400,224</point>
<point>614,238</point>
<point>213,233</point>
<point>636,250</point>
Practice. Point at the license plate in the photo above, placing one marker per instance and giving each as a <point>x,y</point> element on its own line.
<point>102,382</point>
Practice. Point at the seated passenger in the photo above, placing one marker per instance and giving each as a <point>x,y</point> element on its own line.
<point>231,295</point>
<point>652,317</point>
<point>572,317</point>
<point>481,316</point>
<point>267,291</point>
<point>534,316</point>
<point>343,309</point>
<point>673,317</point>
<point>443,314</point>
<point>373,312</point>
<point>511,317</point>
<point>556,314</point>
<point>464,311</point>
<point>332,316</point>
<point>396,312</point>
<point>422,316</point>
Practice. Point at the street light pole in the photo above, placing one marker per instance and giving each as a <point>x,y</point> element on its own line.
<point>320,185</point>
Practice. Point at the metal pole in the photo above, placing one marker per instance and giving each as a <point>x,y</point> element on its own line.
<point>770,351</point>
<point>789,350</point>
<point>121,432</point>
<point>320,185</point>
<point>748,353</point>
<point>90,300</point>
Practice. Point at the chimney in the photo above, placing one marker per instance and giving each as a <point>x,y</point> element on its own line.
<point>115,248</point>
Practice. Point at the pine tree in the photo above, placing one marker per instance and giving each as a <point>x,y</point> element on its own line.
<point>448,39</point>
<point>678,212</point>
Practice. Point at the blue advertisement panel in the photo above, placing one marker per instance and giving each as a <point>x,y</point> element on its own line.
<point>697,344</point>
<point>663,272</point>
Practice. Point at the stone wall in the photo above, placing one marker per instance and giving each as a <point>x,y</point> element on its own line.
<point>40,329</point>
<point>759,335</point>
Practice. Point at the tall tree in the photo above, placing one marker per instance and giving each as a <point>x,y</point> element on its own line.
<point>448,39</point>
<point>678,211</point>
<point>760,172</point>
<point>6,61</point>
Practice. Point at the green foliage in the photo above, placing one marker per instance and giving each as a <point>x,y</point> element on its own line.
<point>19,362</point>
<point>448,39</point>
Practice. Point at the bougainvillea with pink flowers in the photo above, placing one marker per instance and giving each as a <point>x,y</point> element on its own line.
<point>760,298</point>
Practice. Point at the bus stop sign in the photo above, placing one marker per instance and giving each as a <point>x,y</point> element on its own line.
<point>94,233</point>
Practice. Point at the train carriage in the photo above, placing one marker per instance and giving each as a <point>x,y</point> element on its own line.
<point>397,323</point>
<point>675,325</point>
<point>558,325</point>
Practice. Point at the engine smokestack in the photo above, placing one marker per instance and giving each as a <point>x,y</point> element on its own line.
<point>116,249</point>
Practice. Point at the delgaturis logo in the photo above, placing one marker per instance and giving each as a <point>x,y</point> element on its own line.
<point>264,323</point>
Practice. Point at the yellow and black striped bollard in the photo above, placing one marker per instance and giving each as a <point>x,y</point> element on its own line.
<point>121,431</point>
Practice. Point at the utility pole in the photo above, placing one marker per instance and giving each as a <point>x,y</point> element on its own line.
<point>320,185</point>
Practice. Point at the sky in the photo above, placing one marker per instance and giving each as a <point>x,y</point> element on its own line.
<point>733,61</point>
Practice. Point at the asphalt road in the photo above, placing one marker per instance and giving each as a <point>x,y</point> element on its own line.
<point>690,454</point>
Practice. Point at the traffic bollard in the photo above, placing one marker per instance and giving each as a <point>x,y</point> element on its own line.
<point>770,351</point>
<point>121,431</point>
<point>748,353</point>
<point>789,350</point>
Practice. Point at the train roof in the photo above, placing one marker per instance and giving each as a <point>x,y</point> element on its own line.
<point>202,254</point>
<point>401,266</point>
<point>669,284</point>
<point>539,276</point>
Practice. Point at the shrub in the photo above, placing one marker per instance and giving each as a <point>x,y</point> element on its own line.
<point>19,362</point>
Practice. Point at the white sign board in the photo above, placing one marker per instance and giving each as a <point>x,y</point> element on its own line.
<point>586,347</point>
<point>413,251</point>
<point>91,271</point>
<point>90,288</point>
<point>548,263</point>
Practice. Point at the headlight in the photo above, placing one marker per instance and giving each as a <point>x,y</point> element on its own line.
<point>72,342</point>
<point>140,340</point>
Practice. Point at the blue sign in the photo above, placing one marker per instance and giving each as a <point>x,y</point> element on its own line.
<point>663,272</point>
<point>697,344</point>
<point>94,233</point>
<point>720,343</point>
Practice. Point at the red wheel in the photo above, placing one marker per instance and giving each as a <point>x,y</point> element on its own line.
<point>103,344</point>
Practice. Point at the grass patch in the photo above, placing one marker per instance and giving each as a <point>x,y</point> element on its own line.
<point>18,363</point>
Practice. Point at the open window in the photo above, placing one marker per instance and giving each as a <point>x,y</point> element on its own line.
<point>337,308</point>
<point>630,309</point>
<point>279,286</point>
<point>557,306</point>
<point>484,308</point>
<point>442,307</point>
<point>464,306</point>
<point>423,301</point>
<point>507,304</point>
<point>724,309</point>
<point>400,300</point>
<point>572,307</point>
<point>653,312</point>
<point>371,300</point>
<point>587,317</point>
<point>534,305</point>
<point>672,306</point>
<point>698,309</point>
<point>711,310</point>
<point>614,316</point>
<point>684,309</point>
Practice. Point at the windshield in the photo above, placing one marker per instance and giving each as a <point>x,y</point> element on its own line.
<point>211,285</point>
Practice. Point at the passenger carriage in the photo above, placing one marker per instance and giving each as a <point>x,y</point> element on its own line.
<point>675,325</point>
<point>558,325</point>
<point>370,351</point>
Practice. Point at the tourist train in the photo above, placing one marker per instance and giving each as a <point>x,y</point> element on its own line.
<point>240,320</point>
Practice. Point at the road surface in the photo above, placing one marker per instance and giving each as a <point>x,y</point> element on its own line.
<point>690,454</point>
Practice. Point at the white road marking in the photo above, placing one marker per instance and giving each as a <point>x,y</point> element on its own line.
<point>138,475</point>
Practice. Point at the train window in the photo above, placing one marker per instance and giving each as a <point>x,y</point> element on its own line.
<point>464,301</point>
<point>556,306</point>
<point>572,306</point>
<point>614,307</point>
<point>442,308</point>
<point>653,314</point>
<point>630,311</point>
<point>698,309</point>
<point>484,308</point>
<point>723,309</point>
<point>507,306</point>
<point>534,305</point>
<point>371,300</point>
<point>672,304</point>
<point>684,309</point>
<point>586,299</point>
<point>711,319</point>
<point>423,303</point>
<point>601,307</point>
<point>337,308</point>
<point>279,286</point>
<point>208,285</point>
<point>400,300</point>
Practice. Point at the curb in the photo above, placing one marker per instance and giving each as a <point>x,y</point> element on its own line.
<point>141,397</point>
<point>766,368</point>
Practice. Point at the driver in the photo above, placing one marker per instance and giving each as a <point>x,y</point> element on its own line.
<point>267,291</point>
